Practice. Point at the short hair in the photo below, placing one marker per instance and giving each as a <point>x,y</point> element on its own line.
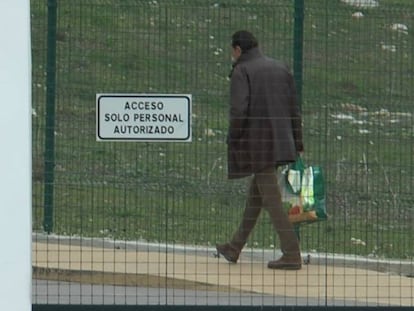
<point>244,39</point>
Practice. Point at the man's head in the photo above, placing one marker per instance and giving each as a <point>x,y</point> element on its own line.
<point>241,42</point>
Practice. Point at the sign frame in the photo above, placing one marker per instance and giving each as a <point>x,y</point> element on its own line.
<point>148,104</point>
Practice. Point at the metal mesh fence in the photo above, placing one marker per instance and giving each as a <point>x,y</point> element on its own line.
<point>135,223</point>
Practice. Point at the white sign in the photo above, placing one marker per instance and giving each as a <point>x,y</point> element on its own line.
<point>143,117</point>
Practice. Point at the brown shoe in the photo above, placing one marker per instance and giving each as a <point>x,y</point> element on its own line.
<point>286,263</point>
<point>228,252</point>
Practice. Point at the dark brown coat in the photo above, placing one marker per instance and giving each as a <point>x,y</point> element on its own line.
<point>265,123</point>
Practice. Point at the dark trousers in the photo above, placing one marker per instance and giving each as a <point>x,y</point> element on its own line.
<point>264,193</point>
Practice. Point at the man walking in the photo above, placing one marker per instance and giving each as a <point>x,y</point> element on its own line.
<point>265,131</point>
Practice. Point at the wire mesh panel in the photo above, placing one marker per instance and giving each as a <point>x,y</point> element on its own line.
<point>136,223</point>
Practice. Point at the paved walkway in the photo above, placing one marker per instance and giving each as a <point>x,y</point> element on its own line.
<point>198,271</point>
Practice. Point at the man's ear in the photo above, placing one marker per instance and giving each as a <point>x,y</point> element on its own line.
<point>238,50</point>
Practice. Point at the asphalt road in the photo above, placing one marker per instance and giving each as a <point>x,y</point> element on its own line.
<point>54,292</point>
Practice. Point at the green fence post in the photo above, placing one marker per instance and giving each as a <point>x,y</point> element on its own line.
<point>298,47</point>
<point>50,116</point>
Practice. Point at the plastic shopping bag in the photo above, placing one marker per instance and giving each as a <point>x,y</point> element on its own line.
<point>303,192</point>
